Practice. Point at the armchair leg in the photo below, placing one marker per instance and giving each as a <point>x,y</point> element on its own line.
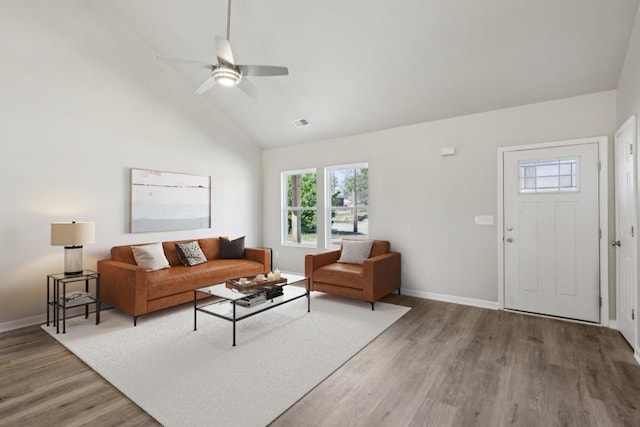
<point>372,304</point>
<point>398,291</point>
<point>135,320</point>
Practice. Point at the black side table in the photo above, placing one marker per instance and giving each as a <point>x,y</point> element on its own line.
<point>56,297</point>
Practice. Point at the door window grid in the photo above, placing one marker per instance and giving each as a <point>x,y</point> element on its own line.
<point>549,176</point>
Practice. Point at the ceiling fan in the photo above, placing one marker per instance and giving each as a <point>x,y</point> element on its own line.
<point>226,72</point>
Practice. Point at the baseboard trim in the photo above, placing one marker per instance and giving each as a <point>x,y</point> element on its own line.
<point>481,303</point>
<point>613,324</point>
<point>637,356</point>
<point>24,322</point>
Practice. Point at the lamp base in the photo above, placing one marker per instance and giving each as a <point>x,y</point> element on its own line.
<point>72,260</point>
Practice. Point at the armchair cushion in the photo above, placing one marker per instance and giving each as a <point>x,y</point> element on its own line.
<point>355,251</point>
<point>349,275</point>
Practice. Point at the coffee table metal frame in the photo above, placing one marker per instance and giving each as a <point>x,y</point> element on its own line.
<point>228,298</point>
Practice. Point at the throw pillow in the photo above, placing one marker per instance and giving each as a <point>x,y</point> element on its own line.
<point>231,249</point>
<point>355,251</point>
<point>150,256</point>
<point>190,253</point>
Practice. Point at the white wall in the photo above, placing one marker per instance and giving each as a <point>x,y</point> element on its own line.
<point>83,101</point>
<point>629,104</point>
<point>424,203</point>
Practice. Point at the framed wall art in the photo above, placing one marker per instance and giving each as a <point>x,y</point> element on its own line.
<point>164,201</point>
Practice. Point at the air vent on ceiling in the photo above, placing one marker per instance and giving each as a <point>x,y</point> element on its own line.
<point>301,123</point>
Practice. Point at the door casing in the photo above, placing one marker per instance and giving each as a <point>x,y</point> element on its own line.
<point>603,195</point>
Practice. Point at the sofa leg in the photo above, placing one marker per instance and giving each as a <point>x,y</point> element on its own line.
<point>372,304</point>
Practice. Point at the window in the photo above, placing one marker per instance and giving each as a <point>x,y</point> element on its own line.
<point>299,215</point>
<point>548,176</point>
<point>347,202</point>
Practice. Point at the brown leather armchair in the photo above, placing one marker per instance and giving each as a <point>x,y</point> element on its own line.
<point>378,276</point>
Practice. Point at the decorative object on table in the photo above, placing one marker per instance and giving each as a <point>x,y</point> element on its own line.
<point>162,201</point>
<point>247,283</point>
<point>72,235</point>
<point>276,274</point>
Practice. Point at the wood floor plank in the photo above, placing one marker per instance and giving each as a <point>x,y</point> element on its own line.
<point>440,365</point>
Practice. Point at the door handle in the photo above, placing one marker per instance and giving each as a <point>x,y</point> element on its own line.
<point>615,243</point>
<point>509,239</point>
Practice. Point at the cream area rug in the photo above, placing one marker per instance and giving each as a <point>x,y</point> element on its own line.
<point>184,377</point>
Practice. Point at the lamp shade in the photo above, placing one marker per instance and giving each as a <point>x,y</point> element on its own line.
<point>72,233</point>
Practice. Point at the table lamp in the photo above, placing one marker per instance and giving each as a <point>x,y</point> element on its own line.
<point>72,235</point>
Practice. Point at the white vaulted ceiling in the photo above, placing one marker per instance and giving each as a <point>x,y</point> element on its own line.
<point>362,65</point>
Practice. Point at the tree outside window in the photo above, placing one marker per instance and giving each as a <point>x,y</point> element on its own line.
<point>300,219</point>
<point>348,209</point>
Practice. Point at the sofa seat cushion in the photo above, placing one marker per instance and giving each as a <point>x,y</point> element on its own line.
<point>349,275</point>
<point>179,279</point>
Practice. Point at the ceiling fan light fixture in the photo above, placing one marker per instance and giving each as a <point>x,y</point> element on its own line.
<point>226,76</point>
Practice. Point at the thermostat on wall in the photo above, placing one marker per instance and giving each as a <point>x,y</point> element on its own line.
<point>448,151</point>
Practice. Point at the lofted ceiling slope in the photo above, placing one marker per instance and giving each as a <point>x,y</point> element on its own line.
<point>363,65</point>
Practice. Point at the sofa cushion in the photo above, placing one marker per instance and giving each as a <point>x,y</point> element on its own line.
<point>183,279</point>
<point>190,253</point>
<point>231,249</point>
<point>211,247</point>
<point>150,256</point>
<point>355,251</point>
<point>350,275</point>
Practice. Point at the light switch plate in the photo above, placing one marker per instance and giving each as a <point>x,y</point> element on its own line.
<point>484,219</point>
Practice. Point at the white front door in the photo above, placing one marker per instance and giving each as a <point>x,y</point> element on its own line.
<point>625,239</point>
<point>551,231</point>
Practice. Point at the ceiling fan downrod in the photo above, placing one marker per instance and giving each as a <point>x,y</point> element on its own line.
<point>229,20</point>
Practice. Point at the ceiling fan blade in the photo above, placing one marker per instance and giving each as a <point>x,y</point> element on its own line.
<point>263,70</point>
<point>187,61</point>
<point>205,86</point>
<point>248,88</point>
<point>223,51</point>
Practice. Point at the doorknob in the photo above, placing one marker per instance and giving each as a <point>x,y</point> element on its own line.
<point>509,239</point>
<point>615,243</point>
<point>509,228</point>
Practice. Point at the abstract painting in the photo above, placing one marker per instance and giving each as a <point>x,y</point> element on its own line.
<point>163,201</point>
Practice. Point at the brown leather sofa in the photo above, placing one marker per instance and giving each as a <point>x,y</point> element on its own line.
<point>378,276</point>
<point>136,291</point>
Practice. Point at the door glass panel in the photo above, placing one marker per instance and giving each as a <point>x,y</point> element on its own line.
<point>549,176</point>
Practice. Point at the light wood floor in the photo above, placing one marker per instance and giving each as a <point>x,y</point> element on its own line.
<point>441,365</point>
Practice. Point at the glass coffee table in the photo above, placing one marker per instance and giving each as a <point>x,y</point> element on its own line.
<point>229,305</point>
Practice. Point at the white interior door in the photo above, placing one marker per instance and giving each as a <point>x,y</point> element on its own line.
<point>551,231</point>
<point>625,239</point>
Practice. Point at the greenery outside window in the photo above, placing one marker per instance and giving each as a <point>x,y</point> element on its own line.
<point>299,208</point>
<point>347,202</point>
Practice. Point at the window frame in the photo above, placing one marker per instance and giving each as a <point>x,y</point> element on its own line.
<point>285,209</point>
<point>327,200</point>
